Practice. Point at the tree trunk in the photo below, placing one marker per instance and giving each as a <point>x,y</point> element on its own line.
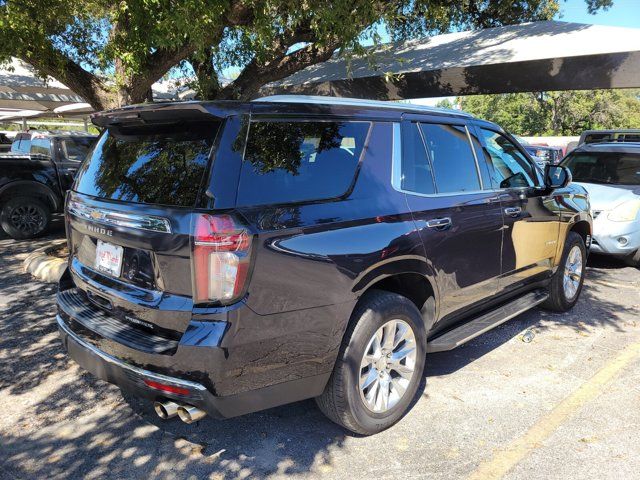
<point>207,84</point>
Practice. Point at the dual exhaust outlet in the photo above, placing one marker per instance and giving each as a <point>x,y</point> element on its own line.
<point>187,413</point>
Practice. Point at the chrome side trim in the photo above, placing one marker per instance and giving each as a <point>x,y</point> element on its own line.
<point>357,102</point>
<point>475,157</point>
<point>125,366</point>
<point>119,219</point>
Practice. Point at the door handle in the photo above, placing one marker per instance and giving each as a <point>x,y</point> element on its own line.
<point>440,223</point>
<point>513,211</point>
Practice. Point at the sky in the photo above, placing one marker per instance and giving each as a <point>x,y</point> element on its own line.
<point>624,13</point>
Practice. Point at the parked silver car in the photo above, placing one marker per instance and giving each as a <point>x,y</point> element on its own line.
<point>610,172</point>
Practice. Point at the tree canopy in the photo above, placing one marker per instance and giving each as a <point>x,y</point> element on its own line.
<point>111,52</point>
<point>557,113</point>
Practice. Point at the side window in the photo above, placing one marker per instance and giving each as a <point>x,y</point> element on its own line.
<point>416,168</point>
<point>483,166</point>
<point>41,146</point>
<point>454,166</point>
<point>75,149</point>
<point>299,161</point>
<point>507,166</point>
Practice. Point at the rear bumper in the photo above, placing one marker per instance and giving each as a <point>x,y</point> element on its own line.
<point>132,379</point>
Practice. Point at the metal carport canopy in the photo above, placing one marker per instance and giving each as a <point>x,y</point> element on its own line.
<point>537,56</point>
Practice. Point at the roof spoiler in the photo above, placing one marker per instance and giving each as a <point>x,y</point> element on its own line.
<point>154,113</point>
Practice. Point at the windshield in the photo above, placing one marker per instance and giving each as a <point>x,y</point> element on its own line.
<point>614,168</point>
<point>156,164</point>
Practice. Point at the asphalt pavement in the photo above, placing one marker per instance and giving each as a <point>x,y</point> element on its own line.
<point>564,405</point>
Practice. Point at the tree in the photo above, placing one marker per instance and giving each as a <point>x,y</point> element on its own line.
<point>558,113</point>
<point>111,52</point>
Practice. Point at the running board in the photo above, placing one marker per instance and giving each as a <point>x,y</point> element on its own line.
<point>479,325</point>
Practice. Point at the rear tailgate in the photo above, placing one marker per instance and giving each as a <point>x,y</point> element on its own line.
<point>129,222</point>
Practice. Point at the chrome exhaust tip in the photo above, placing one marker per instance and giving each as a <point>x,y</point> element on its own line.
<point>190,414</point>
<point>166,409</point>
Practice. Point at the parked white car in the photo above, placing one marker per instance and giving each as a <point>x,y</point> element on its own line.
<point>610,172</point>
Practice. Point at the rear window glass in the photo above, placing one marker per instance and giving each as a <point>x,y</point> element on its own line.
<point>21,144</point>
<point>299,161</point>
<point>613,168</point>
<point>157,164</point>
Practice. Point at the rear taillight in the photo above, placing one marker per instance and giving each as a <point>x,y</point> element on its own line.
<point>221,257</point>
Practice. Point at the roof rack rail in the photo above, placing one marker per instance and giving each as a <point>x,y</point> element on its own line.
<point>357,102</point>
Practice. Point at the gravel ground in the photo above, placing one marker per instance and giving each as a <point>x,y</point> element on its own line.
<point>524,410</point>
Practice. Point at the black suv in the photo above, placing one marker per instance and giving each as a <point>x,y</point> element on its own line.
<point>229,257</point>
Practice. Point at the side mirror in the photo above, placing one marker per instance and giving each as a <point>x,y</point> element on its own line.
<point>556,176</point>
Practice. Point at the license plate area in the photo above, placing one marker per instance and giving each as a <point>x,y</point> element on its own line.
<point>109,258</point>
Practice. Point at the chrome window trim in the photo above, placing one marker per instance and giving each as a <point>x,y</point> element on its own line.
<point>473,151</point>
<point>396,158</point>
<point>119,219</point>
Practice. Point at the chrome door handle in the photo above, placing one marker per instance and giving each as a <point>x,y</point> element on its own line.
<point>439,223</point>
<point>513,211</point>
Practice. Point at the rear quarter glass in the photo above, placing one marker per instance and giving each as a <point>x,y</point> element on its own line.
<point>297,161</point>
<point>154,164</point>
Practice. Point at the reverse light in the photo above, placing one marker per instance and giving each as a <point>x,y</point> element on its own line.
<point>625,212</point>
<point>221,256</point>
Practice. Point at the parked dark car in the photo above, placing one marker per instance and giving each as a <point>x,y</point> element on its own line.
<point>34,177</point>
<point>546,154</point>
<point>620,135</point>
<point>5,143</point>
<point>230,257</point>
<point>610,172</point>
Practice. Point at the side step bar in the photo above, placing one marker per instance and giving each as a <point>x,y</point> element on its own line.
<point>479,325</point>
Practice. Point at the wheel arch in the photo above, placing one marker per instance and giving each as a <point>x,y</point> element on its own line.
<point>25,188</point>
<point>583,228</point>
<point>408,277</point>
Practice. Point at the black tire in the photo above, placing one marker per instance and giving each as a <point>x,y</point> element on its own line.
<point>24,217</point>
<point>633,260</point>
<point>558,300</point>
<point>341,400</point>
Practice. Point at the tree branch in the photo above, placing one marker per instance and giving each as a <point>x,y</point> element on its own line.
<point>55,64</point>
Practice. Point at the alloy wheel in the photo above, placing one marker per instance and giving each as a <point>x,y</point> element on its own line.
<point>573,270</point>
<point>27,218</point>
<point>388,366</point>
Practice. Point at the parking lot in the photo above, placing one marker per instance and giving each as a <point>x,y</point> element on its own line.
<point>565,405</point>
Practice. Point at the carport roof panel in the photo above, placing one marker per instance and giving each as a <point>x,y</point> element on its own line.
<point>526,42</point>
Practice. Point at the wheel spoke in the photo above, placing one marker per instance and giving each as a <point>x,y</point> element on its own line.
<point>401,332</point>
<point>389,335</point>
<point>405,371</point>
<point>372,394</point>
<point>368,378</point>
<point>384,395</point>
<point>398,356</point>
<point>398,388</point>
